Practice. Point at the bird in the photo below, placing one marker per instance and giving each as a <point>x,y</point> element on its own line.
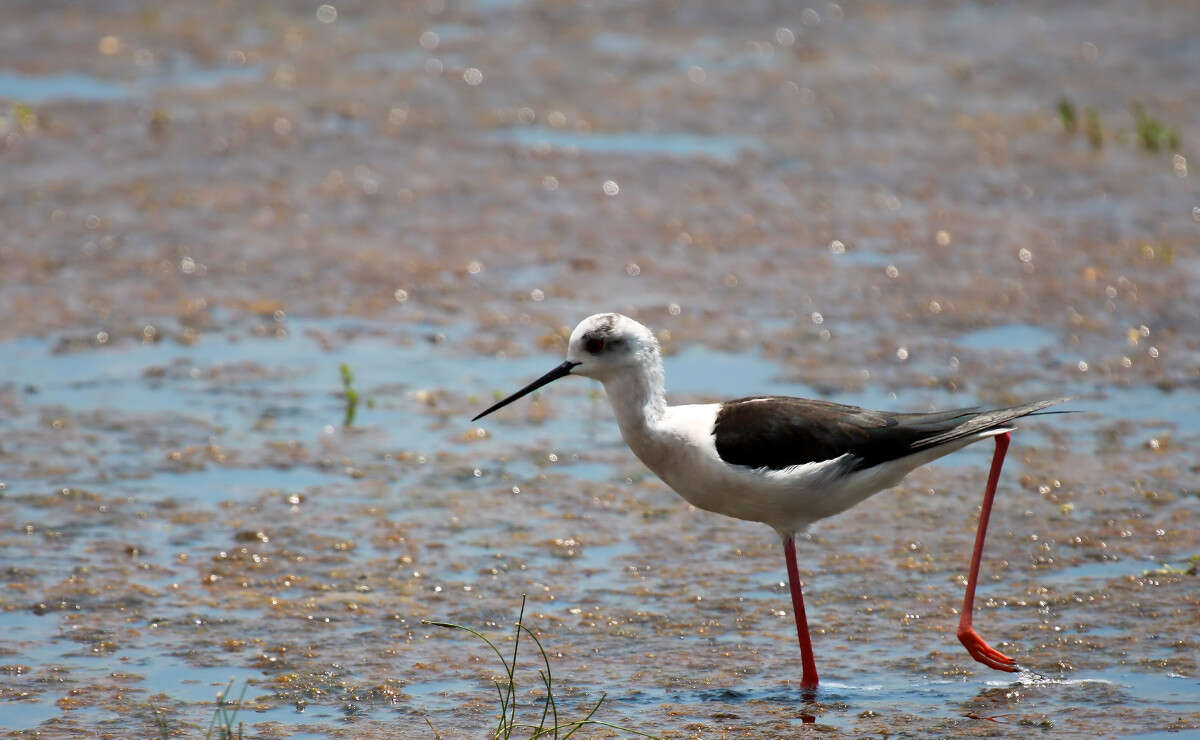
<point>782,461</point>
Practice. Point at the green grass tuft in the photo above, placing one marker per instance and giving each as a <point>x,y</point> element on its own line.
<point>506,691</point>
<point>1153,134</point>
<point>1149,132</point>
<point>222,722</point>
<point>225,715</point>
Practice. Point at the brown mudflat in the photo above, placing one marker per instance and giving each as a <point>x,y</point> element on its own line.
<point>206,211</point>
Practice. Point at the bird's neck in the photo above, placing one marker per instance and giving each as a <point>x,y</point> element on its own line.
<point>639,401</point>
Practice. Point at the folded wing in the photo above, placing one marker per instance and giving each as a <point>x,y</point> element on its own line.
<point>777,432</point>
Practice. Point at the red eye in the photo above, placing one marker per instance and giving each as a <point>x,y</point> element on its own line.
<point>594,345</point>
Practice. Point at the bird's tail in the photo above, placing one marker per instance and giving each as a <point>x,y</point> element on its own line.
<point>989,420</point>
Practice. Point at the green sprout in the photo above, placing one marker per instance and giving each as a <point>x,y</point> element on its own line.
<point>1066,114</point>
<point>26,118</point>
<point>349,393</point>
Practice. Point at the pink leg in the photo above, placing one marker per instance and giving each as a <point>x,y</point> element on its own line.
<point>809,678</point>
<point>975,645</point>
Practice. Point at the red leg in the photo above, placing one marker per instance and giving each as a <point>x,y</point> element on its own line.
<point>975,645</point>
<point>809,678</point>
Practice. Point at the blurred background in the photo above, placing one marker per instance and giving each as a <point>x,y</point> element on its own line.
<point>261,262</point>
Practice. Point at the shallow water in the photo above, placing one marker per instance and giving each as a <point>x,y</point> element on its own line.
<point>41,89</point>
<point>720,148</point>
<point>878,206</point>
<point>580,577</point>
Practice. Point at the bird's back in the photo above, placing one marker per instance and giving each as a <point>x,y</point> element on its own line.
<point>778,432</point>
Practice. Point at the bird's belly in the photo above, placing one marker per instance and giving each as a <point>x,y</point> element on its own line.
<point>787,502</point>
<point>739,494</point>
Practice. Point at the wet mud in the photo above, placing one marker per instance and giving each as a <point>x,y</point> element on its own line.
<point>206,211</point>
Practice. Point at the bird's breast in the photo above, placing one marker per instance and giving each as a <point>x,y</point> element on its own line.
<point>681,451</point>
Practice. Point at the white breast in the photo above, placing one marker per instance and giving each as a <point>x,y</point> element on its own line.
<point>681,450</point>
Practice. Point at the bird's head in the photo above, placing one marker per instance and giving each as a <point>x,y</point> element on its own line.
<point>602,347</point>
<point>606,344</point>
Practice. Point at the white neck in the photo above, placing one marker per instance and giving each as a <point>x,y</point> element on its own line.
<point>639,399</point>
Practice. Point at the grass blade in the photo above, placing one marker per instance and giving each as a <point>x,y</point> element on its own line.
<point>220,698</point>
<point>588,718</point>
<point>548,680</point>
<point>489,643</point>
<point>496,650</point>
<point>436,735</point>
<point>512,686</point>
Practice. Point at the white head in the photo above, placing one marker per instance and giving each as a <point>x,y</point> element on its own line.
<point>604,346</point>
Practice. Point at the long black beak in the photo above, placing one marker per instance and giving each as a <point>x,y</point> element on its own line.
<point>550,377</point>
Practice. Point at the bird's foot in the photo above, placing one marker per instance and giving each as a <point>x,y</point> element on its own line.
<point>985,653</point>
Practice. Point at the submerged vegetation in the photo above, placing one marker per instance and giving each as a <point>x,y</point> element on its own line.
<point>225,725</point>
<point>1193,563</point>
<point>548,724</point>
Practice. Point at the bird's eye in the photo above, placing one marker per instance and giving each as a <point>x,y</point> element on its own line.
<point>594,345</point>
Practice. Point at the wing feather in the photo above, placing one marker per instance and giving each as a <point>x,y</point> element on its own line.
<point>777,432</point>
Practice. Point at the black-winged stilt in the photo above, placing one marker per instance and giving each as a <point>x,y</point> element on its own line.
<point>786,462</point>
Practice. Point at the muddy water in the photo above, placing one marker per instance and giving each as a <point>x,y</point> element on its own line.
<point>206,213</point>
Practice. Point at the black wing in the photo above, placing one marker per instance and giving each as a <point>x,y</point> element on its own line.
<point>776,432</point>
